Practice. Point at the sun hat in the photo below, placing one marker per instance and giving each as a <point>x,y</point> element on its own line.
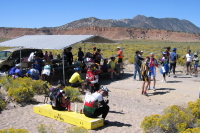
<point>118,47</point>
<point>195,54</point>
<point>141,51</point>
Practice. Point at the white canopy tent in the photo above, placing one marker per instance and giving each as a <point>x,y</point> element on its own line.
<point>53,42</point>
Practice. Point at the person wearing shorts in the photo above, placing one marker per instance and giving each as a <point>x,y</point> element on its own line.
<point>144,74</point>
<point>189,57</point>
<point>196,64</point>
<point>152,70</point>
<point>120,56</point>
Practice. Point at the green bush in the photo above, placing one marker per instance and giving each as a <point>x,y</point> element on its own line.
<point>131,60</point>
<point>21,93</point>
<point>2,101</point>
<point>194,108</point>
<point>49,129</point>
<point>149,122</point>
<point>191,130</point>
<point>22,89</point>
<point>175,119</point>
<point>73,93</point>
<point>12,130</point>
<point>2,104</point>
<point>6,82</point>
<point>45,129</point>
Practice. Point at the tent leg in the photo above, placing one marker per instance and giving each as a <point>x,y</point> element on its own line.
<point>63,67</point>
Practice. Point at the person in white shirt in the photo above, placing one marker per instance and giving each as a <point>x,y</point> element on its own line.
<point>31,57</point>
<point>189,58</point>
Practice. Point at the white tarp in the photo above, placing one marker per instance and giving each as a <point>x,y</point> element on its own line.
<point>53,41</point>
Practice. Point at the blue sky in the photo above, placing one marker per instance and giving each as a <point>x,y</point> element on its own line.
<point>52,13</point>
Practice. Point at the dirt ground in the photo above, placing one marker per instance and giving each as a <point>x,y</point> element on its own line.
<point>127,106</point>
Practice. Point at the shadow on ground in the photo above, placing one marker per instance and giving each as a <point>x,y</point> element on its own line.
<point>184,77</point>
<point>161,91</point>
<point>174,81</point>
<point>114,123</point>
<point>116,112</point>
<point>105,80</point>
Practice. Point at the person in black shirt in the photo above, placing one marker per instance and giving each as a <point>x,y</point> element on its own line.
<point>80,54</point>
<point>69,55</point>
<point>137,64</point>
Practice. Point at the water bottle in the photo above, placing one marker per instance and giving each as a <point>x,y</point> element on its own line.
<point>76,108</point>
<point>69,106</point>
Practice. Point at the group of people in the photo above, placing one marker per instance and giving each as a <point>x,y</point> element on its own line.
<point>39,69</point>
<point>146,67</point>
<point>94,103</point>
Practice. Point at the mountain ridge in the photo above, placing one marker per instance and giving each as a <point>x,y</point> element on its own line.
<point>139,21</point>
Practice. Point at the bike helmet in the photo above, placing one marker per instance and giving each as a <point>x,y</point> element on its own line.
<point>173,49</point>
<point>151,54</point>
<point>61,83</point>
<point>105,89</point>
<point>195,54</point>
<point>189,50</point>
<point>163,52</point>
<point>77,69</point>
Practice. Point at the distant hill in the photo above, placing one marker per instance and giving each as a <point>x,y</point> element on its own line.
<point>140,21</point>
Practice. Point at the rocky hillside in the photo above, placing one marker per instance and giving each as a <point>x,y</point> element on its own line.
<point>139,21</point>
<point>115,33</point>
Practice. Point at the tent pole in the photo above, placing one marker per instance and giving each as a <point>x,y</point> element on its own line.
<point>84,48</point>
<point>63,67</point>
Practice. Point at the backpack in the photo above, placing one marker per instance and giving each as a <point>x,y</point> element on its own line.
<point>55,98</point>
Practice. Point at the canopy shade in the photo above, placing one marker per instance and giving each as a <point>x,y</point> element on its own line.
<point>53,41</point>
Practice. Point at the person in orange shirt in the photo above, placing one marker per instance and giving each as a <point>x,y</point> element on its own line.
<point>120,56</point>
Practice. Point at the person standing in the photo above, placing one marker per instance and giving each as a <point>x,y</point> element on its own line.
<point>69,56</point>
<point>165,66</point>
<point>196,64</point>
<point>189,58</point>
<point>94,50</point>
<point>80,55</point>
<point>167,51</point>
<point>172,60</point>
<point>144,73</point>
<point>46,56</point>
<point>98,56</point>
<point>120,56</point>
<point>137,64</point>
<point>50,56</point>
<point>152,73</point>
